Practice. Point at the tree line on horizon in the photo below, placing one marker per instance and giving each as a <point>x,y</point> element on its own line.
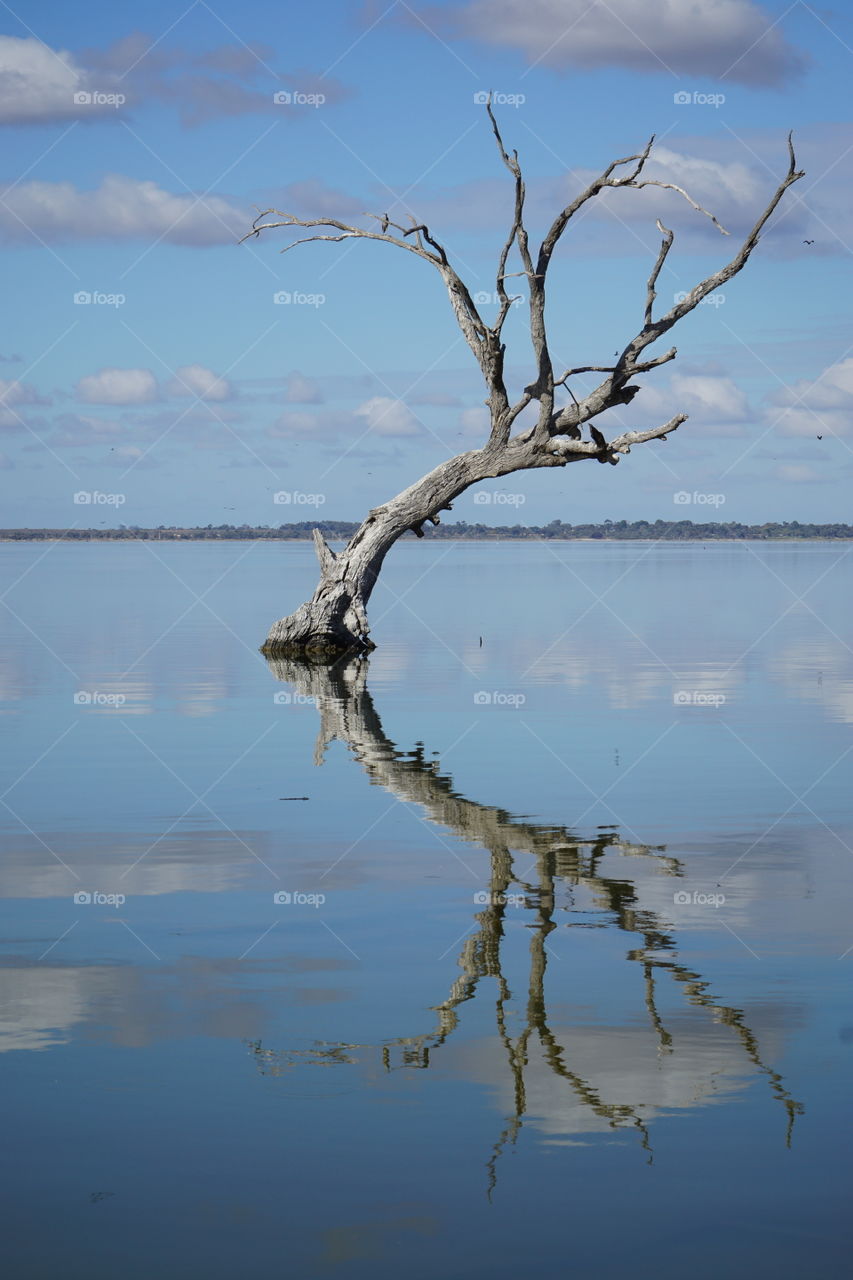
<point>608,530</point>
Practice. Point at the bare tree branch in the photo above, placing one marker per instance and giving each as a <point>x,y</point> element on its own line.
<point>575,450</point>
<point>470,322</point>
<point>666,245</point>
<point>336,617</point>
<point>608,394</point>
<point>671,186</point>
<point>543,388</point>
<point>598,184</point>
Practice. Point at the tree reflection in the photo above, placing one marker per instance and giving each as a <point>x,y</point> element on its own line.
<point>556,861</point>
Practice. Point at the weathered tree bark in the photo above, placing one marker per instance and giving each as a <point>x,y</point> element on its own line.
<point>335,619</point>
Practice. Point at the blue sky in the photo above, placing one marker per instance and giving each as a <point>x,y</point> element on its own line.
<point>139,146</point>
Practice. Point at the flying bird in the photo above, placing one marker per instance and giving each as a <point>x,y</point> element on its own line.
<point>820,437</point>
<point>808,242</point>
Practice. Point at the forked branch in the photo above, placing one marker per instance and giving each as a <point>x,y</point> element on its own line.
<point>485,341</point>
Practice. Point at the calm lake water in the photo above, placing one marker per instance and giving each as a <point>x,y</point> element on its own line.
<point>525,946</point>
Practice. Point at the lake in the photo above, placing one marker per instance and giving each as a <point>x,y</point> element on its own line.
<point>543,913</point>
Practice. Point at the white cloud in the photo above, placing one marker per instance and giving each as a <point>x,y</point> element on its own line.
<point>822,406</point>
<point>798,473</point>
<point>711,400</point>
<point>382,415</point>
<point>38,84</point>
<point>735,39</point>
<point>195,380</point>
<point>118,386</point>
<point>301,390</point>
<point>324,423</point>
<point>709,169</point>
<point>16,393</point>
<point>475,422</point>
<point>387,417</point>
<point>733,191</point>
<point>121,208</point>
<point>75,430</point>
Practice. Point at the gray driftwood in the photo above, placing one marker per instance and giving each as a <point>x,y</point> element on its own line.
<point>334,620</point>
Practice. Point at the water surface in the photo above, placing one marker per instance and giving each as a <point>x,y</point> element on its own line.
<point>525,944</point>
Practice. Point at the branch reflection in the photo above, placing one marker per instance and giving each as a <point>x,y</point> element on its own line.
<point>539,867</point>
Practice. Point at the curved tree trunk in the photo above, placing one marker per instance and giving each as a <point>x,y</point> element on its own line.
<point>334,620</point>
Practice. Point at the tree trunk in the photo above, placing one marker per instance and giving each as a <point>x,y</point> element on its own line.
<point>334,620</point>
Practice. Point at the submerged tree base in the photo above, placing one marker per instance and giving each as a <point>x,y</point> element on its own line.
<point>320,650</point>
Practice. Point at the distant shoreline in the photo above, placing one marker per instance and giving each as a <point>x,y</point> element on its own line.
<point>461,531</point>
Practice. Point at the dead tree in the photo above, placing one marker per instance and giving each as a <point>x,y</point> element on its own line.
<point>335,619</point>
